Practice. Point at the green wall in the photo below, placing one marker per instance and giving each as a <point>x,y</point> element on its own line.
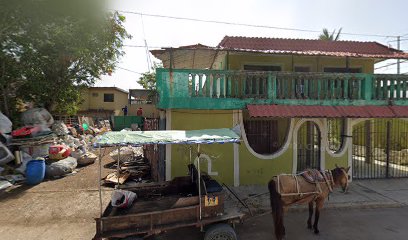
<point>341,161</point>
<point>252,170</point>
<point>222,155</point>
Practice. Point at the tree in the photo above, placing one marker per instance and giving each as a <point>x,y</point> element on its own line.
<point>330,37</point>
<point>148,80</point>
<point>60,47</point>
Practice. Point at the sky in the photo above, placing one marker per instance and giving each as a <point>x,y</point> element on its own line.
<point>372,17</point>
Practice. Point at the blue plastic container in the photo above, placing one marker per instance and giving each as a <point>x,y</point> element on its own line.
<point>35,172</point>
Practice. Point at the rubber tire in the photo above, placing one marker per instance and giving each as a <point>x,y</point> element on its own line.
<point>220,231</point>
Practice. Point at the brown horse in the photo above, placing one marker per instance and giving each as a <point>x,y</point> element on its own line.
<point>288,189</point>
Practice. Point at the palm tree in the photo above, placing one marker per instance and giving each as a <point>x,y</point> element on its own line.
<point>330,37</point>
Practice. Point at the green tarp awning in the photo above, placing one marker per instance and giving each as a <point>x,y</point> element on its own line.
<point>205,136</point>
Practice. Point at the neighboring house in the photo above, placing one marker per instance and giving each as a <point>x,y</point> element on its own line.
<point>297,103</point>
<point>102,101</point>
<point>145,99</point>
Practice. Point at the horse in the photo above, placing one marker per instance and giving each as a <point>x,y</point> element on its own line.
<point>286,189</point>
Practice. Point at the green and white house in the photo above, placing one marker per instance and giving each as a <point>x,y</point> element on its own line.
<point>298,103</point>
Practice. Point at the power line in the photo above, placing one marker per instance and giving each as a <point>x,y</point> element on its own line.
<point>390,64</point>
<point>129,70</point>
<point>247,25</point>
<point>149,61</point>
<point>402,39</point>
<point>142,46</point>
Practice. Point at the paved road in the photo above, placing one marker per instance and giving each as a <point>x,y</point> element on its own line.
<point>335,224</point>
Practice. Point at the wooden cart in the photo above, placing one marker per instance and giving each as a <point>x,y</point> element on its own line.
<point>193,200</point>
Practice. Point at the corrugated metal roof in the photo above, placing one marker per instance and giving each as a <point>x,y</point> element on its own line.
<point>310,47</point>
<point>328,111</point>
<point>400,111</point>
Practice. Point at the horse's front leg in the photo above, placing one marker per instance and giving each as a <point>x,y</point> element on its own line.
<point>319,206</point>
<point>309,220</point>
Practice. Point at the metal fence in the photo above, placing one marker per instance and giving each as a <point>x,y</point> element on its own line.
<point>380,149</point>
<point>308,147</point>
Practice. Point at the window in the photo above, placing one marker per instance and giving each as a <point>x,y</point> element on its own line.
<point>301,69</point>
<point>335,133</point>
<point>95,94</point>
<point>342,70</point>
<point>266,135</point>
<point>262,68</point>
<point>108,97</point>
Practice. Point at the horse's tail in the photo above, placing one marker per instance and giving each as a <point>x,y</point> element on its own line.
<point>277,210</point>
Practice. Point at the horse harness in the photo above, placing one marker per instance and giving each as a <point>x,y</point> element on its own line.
<point>312,176</point>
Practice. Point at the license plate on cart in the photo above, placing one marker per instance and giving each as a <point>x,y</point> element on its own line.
<point>211,201</point>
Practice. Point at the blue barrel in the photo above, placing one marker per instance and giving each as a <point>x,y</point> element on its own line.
<point>35,172</point>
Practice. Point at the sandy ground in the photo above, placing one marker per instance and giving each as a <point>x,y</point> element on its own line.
<point>63,208</point>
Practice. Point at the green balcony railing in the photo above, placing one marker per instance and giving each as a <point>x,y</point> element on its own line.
<point>219,89</point>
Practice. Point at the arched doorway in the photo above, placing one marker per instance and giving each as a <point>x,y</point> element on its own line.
<point>308,146</point>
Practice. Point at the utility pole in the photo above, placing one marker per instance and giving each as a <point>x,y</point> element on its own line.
<point>398,60</point>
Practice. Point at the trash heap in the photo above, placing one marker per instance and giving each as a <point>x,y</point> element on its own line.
<point>44,148</point>
<point>130,166</point>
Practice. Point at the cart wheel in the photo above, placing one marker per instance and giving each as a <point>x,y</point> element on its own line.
<point>220,231</point>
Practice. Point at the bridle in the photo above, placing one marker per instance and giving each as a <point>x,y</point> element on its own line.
<point>340,171</point>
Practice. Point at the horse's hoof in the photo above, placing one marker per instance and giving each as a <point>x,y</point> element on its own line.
<point>316,231</point>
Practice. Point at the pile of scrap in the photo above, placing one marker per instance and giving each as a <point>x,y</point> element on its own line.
<point>129,164</point>
<point>43,148</point>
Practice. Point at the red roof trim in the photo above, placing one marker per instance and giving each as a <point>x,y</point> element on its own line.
<point>328,111</point>
<point>310,47</point>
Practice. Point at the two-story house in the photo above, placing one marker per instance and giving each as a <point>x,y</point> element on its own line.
<point>297,103</point>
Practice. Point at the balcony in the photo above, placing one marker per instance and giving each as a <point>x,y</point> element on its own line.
<point>225,89</point>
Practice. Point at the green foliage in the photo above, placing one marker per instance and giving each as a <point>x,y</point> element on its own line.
<point>330,37</point>
<point>51,49</point>
<point>148,80</point>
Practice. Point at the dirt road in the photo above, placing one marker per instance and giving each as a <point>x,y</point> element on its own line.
<point>57,209</point>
